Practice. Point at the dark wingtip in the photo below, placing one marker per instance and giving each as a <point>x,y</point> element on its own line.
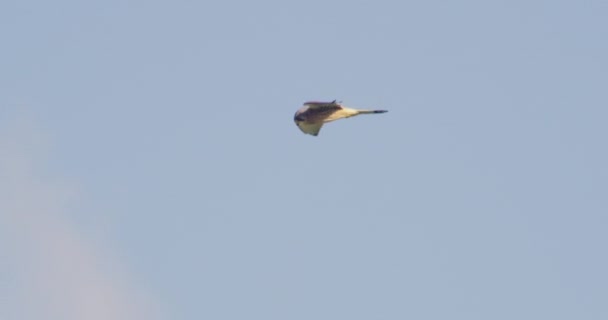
<point>380,111</point>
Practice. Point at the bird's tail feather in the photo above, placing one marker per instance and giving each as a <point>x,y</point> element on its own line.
<point>372,111</point>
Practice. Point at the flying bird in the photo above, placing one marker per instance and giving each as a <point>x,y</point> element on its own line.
<point>313,114</point>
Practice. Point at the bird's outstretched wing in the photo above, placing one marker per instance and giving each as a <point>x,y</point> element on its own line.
<point>322,105</point>
<point>310,128</point>
<point>315,111</point>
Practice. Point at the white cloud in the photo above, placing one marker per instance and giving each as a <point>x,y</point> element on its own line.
<point>48,268</point>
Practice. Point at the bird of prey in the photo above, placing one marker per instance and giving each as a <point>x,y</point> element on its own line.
<point>313,114</point>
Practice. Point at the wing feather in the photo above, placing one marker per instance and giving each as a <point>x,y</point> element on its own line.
<point>310,128</point>
<point>322,105</point>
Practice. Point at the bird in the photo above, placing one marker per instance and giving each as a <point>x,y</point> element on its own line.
<point>313,114</point>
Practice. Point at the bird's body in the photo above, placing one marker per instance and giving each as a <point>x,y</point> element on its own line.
<point>313,114</point>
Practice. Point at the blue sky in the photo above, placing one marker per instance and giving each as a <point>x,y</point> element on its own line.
<point>151,168</point>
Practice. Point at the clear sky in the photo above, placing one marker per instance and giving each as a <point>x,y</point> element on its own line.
<point>150,167</point>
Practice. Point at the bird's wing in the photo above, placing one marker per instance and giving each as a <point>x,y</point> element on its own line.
<point>322,105</point>
<point>310,128</point>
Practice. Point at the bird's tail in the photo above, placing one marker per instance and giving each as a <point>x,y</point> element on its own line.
<point>349,112</point>
<point>371,111</point>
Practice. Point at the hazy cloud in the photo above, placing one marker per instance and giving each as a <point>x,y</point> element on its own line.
<point>50,270</point>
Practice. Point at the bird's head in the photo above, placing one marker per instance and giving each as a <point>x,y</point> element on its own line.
<point>298,117</point>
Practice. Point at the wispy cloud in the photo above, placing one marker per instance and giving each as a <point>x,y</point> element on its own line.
<point>50,270</point>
